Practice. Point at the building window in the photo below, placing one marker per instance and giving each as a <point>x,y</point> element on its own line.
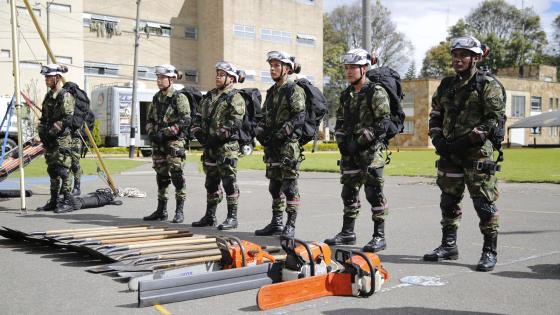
<point>265,77</point>
<point>58,7</point>
<point>147,73</point>
<point>64,60</point>
<point>556,106</point>
<point>408,101</point>
<point>518,106</point>
<point>5,54</point>
<point>276,36</point>
<point>244,31</point>
<point>152,28</point>
<point>23,10</point>
<point>250,75</point>
<point>101,69</point>
<point>536,104</point>
<point>548,79</point>
<point>191,32</point>
<point>308,2</point>
<point>191,76</point>
<point>408,127</point>
<point>303,39</point>
<point>536,131</point>
<point>551,103</point>
<point>553,131</point>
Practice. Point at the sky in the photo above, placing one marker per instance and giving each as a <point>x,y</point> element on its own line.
<point>425,22</point>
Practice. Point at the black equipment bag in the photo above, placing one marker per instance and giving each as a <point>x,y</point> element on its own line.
<point>82,109</point>
<point>316,108</point>
<point>253,114</point>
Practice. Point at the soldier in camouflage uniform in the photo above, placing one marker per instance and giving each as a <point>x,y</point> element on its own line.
<point>359,134</point>
<point>54,131</point>
<point>168,120</point>
<point>284,114</point>
<point>220,118</point>
<point>461,124</point>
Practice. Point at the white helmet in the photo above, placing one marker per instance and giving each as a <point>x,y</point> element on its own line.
<point>356,56</point>
<point>466,42</point>
<point>282,57</point>
<point>53,69</point>
<point>230,69</point>
<point>167,70</point>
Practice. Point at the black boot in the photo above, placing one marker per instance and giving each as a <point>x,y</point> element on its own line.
<point>346,235</point>
<point>209,218</point>
<point>275,226</point>
<point>65,205</point>
<point>178,218</point>
<point>290,227</point>
<point>76,191</point>
<point>377,243</point>
<point>489,254</point>
<point>231,220</point>
<point>51,203</point>
<point>160,213</point>
<point>448,249</point>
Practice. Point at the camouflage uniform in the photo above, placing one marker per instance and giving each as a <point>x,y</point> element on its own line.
<point>168,152</point>
<point>221,115</point>
<point>456,112</point>
<point>75,155</point>
<point>284,112</point>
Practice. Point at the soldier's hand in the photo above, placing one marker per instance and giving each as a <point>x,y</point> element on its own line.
<point>342,148</point>
<point>441,145</point>
<point>223,133</point>
<point>353,147</point>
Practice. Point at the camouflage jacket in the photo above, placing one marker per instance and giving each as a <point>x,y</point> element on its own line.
<point>221,109</point>
<point>53,110</point>
<point>284,111</point>
<point>354,114</point>
<point>162,113</point>
<point>457,109</point>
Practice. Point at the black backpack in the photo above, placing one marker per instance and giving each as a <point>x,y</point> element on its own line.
<point>194,96</point>
<point>82,109</point>
<point>253,114</point>
<point>390,80</point>
<point>315,110</point>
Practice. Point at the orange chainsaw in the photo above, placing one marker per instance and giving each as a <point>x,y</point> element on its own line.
<point>360,274</point>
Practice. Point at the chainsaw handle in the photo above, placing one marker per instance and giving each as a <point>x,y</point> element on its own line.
<point>241,248</point>
<point>371,273</point>
<point>288,244</point>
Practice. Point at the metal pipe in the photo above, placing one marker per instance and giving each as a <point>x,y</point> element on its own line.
<point>15,64</point>
<point>366,25</point>
<point>134,111</point>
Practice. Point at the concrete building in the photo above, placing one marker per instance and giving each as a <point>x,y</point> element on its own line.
<point>534,93</point>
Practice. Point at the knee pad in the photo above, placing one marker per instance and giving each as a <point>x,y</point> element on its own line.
<point>290,189</point>
<point>75,167</point>
<point>275,188</point>
<point>212,183</point>
<point>62,172</point>
<point>230,185</point>
<point>374,194</point>
<point>449,205</point>
<point>51,170</point>
<point>178,180</point>
<point>162,181</point>
<point>485,209</point>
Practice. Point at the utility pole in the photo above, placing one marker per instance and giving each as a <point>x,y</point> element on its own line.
<point>15,64</point>
<point>133,125</point>
<point>49,61</point>
<point>366,25</point>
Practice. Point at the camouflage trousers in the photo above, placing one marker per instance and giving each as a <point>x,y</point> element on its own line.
<point>453,174</point>
<point>168,162</point>
<point>364,169</point>
<point>282,169</point>
<point>76,154</point>
<point>220,166</point>
<point>58,159</point>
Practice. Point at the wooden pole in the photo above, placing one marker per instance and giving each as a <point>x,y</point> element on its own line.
<point>98,155</point>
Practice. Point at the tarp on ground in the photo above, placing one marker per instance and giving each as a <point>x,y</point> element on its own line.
<point>549,119</point>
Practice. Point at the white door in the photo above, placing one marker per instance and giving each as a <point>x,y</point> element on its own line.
<point>517,136</point>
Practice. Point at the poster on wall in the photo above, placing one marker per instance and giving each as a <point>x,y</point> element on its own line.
<point>125,102</point>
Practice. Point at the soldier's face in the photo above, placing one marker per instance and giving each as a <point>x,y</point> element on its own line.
<point>164,82</point>
<point>352,73</point>
<point>221,79</point>
<point>462,60</point>
<point>276,68</point>
<point>50,81</point>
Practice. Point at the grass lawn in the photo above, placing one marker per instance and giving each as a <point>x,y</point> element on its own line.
<point>520,165</point>
<point>38,168</point>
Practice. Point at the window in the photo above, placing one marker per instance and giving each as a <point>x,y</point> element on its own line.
<point>154,28</point>
<point>553,131</point>
<point>518,106</point>
<point>64,60</point>
<point>191,32</point>
<point>303,39</point>
<point>147,73</point>
<point>5,54</point>
<point>548,79</point>
<point>244,31</point>
<point>101,69</point>
<point>23,10</point>
<point>308,2</point>
<point>276,36</point>
<point>408,101</point>
<point>536,131</point>
<point>556,106</point>
<point>265,77</point>
<point>88,18</point>
<point>408,127</point>
<point>551,103</point>
<point>191,76</point>
<point>250,75</point>
<point>66,8</point>
<point>536,104</point>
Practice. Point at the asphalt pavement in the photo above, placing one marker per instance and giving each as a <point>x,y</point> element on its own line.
<point>38,280</point>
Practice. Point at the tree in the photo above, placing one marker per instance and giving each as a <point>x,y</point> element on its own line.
<point>437,62</point>
<point>411,72</point>
<point>334,46</point>
<point>556,36</point>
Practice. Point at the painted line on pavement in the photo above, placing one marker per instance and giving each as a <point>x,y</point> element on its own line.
<point>162,310</point>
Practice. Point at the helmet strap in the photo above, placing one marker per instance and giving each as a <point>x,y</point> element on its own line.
<point>361,77</point>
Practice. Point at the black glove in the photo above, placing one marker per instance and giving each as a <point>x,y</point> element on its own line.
<point>158,137</point>
<point>342,148</point>
<point>213,141</point>
<point>353,147</point>
<point>460,145</point>
<point>441,145</point>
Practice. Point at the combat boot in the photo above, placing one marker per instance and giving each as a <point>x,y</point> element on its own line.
<point>489,255</point>
<point>231,220</point>
<point>290,227</point>
<point>160,213</point>
<point>448,249</point>
<point>51,203</point>
<point>346,235</point>
<point>275,226</point>
<point>179,218</point>
<point>209,218</point>
<point>377,243</point>
<point>65,205</point>
<point>76,190</point>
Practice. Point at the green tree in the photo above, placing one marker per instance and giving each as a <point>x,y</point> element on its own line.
<point>437,62</point>
<point>411,72</point>
<point>334,46</point>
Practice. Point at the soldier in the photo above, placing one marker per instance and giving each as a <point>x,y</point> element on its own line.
<point>284,114</point>
<point>168,119</point>
<point>221,116</point>
<point>461,124</point>
<point>359,133</point>
<point>55,133</point>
